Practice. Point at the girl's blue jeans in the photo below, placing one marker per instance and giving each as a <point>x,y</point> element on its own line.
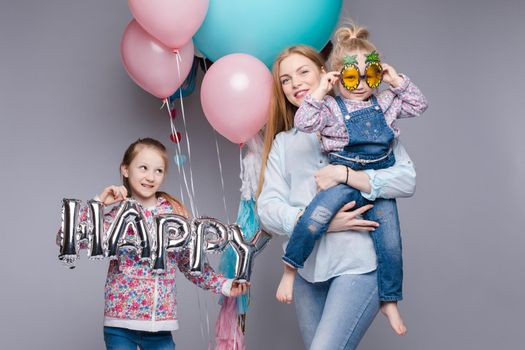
<point>387,237</point>
<point>335,314</point>
<point>128,339</point>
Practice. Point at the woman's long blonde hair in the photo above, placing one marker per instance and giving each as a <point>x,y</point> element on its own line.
<point>281,110</point>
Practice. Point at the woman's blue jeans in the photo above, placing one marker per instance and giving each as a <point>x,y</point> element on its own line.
<point>387,237</point>
<point>128,339</point>
<point>335,314</point>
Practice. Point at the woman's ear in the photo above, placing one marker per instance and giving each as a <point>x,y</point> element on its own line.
<point>322,69</point>
<point>124,170</point>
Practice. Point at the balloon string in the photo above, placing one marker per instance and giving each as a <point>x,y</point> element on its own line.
<point>220,165</point>
<point>196,213</point>
<point>179,166</point>
<point>222,176</point>
<point>178,152</point>
<point>179,60</point>
<point>240,161</point>
<point>207,336</point>
<point>207,323</point>
<point>235,334</point>
<point>217,148</point>
<point>200,316</point>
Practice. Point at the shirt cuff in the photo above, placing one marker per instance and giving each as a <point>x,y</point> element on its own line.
<point>312,101</point>
<point>401,88</point>
<point>291,220</point>
<point>375,185</point>
<point>227,287</point>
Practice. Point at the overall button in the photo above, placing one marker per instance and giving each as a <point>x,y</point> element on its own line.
<point>347,117</point>
<point>376,108</point>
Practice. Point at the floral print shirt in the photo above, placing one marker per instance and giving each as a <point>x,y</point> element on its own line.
<point>325,116</point>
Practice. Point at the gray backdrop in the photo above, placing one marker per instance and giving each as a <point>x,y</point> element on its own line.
<point>68,110</point>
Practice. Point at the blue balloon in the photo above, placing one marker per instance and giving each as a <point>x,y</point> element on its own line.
<point>263,28</point>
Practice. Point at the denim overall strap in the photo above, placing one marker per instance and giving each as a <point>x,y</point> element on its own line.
<point>342,107</point>
<point>373,98</point>
<point>370,138</point>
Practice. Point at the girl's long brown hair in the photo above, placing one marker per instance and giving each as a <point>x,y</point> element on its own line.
<point>281,110</point>
<point>131,153</point>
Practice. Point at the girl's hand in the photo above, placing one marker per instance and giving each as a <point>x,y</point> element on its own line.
<point>346,220</point>
<point>329,176</point>
<point>113,194</point>
<point>390,75</point>
<point>326,84</point>
<point>239,289</point>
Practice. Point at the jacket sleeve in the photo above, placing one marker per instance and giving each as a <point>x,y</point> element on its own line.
<point>275,212</point>
<point>405,101</point>
<point>208,279</point>
<point>313,115</point>
<point>397,181</point>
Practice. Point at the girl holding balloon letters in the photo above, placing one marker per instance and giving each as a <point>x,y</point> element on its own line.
<point>140,303</point>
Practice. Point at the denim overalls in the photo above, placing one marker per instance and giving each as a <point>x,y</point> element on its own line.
<point>370,139</point>
<point>369,147</point>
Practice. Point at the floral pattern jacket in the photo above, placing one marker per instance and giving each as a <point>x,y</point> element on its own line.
<point>138,298</point>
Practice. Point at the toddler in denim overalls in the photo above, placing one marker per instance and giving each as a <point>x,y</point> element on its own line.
<point>357,130</point>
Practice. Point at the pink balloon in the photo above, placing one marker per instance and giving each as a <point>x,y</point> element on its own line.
<point>151,64</point>
<point>235,96</point>
<point>173,22</point>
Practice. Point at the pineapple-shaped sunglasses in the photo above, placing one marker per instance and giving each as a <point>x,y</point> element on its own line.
<point>350,77</point>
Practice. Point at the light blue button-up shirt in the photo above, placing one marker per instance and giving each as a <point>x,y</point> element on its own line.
<point>289,187</point>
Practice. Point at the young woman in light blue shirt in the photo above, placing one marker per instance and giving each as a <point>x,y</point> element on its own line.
<point>335,294</point>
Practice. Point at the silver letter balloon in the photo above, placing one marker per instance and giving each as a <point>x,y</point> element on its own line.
<point>170,232</point>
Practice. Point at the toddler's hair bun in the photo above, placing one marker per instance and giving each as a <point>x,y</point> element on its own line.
<point>351,32</point>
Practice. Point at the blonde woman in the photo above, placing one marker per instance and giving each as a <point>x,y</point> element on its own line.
<point>336,293</point>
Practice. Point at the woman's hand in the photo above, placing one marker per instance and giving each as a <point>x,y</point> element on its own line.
<point>390,75</point>
<point>239,289</point>
<point>345,219</point>
<point>329,176</point>
<point>113,194</point>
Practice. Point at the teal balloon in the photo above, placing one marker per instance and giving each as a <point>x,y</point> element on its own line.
<point>263,28</point>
